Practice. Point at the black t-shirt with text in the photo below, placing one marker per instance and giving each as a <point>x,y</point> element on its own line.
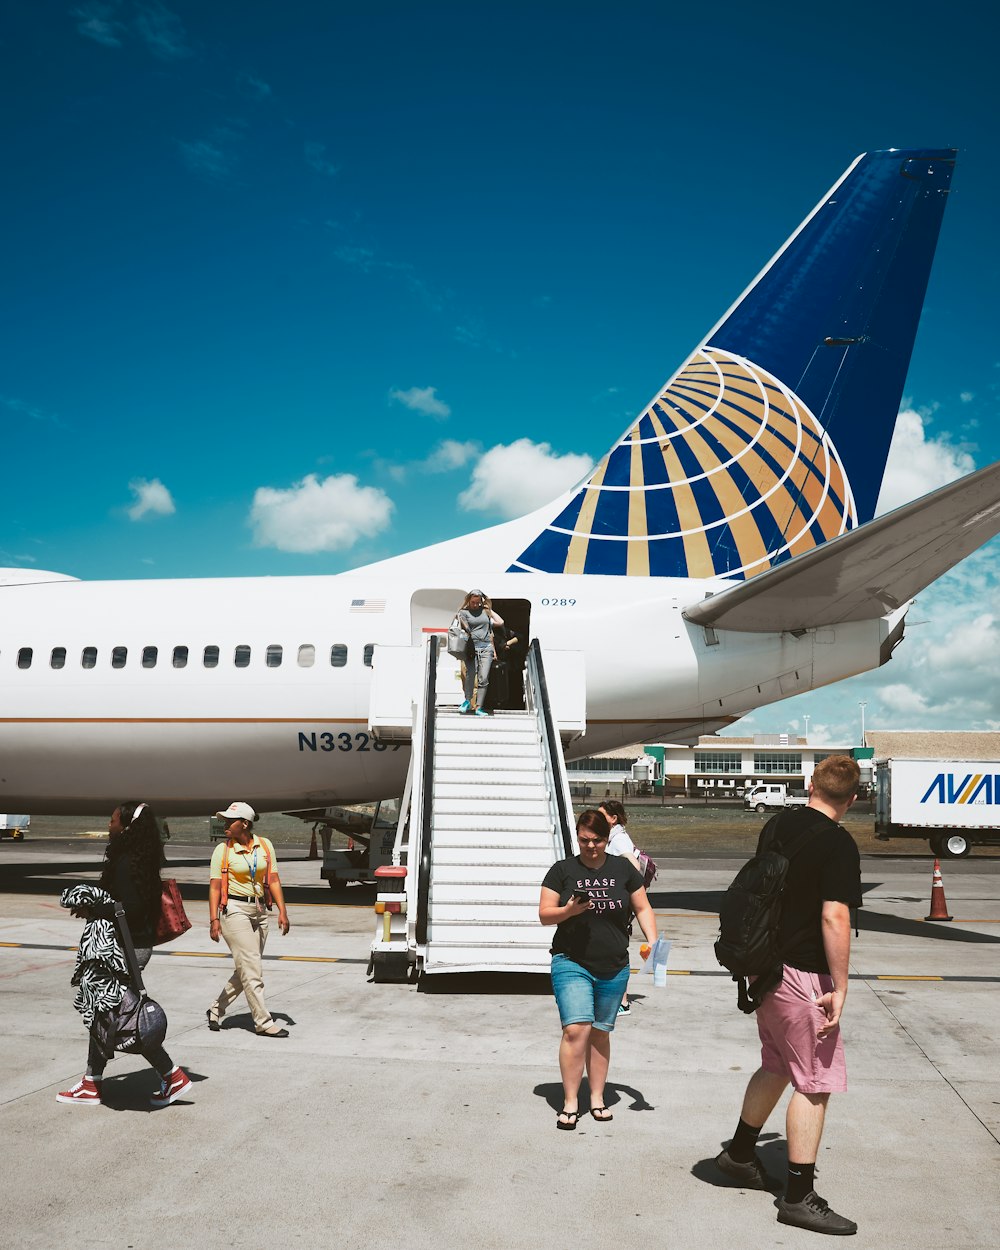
<point>826,867</point>
<point>598,939</point>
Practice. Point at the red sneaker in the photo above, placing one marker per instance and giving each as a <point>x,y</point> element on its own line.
<point>84,1093</point>
<point>175,1086</point>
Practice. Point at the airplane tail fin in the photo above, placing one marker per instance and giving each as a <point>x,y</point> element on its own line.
<point>773,437</point>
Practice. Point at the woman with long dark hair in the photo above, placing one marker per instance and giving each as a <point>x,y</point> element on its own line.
<point>591,898</point>
<point>131,872</point>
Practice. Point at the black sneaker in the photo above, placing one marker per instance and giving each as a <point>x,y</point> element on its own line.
<point>750,1175</point>
<point>814,1213</point>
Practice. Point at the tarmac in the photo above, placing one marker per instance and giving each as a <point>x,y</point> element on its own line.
<point>392,1113</point>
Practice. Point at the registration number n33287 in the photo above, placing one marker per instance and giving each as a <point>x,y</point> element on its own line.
<point>327,741</point>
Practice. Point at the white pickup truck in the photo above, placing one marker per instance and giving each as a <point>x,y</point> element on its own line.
<point>773,794</point>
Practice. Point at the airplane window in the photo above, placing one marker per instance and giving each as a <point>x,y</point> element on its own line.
<point>241,657</point>
<point>272,657</point>
<point>338,654</point>
<point>118,656</point>
<point>58,657</point>
<point>149,655</point>
<point>369,651</point>
<point>307,655</point>
<point>88,657</point>
<point>180,657</point>
<point>24,657</point>
<point>211,658</point>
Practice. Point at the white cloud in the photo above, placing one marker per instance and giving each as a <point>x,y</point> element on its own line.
<point>901,701</point>
<point>512,480</point>
<point>96,21</point>
<point>317,159</point>
<point>161,30</point>
<point>918,464</point>
<point>212,158</point>
<point>257,87</point>
<point>314,515</point>
<point>28,410</point>
<point>450,454</point>
<point>967,397</point>
<point>422,399</point>
<point>151,499</point>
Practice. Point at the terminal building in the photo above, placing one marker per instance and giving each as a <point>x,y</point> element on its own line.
<point>714,767</point>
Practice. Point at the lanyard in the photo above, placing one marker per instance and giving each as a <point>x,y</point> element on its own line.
<point>252,869</point>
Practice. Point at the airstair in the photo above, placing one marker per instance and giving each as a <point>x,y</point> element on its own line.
<point>486,811</point>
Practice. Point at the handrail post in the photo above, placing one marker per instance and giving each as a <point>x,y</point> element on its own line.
<point>536,672</point>
<point>427,795</point>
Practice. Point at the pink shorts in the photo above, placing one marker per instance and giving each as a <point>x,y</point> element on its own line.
<point>787,1021</point>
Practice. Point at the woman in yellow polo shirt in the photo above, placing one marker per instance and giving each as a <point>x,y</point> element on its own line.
<point>244,879</point>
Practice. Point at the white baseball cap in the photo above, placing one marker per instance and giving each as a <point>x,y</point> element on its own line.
<point>238,811</point>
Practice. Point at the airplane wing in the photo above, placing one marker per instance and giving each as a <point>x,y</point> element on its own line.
<point>867,572</point>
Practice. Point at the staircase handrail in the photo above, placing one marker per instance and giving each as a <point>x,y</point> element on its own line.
<point>540,698</point>
<point>427,789</point>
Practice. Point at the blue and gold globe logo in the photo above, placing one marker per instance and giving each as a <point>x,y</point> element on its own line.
<point>725,474</point>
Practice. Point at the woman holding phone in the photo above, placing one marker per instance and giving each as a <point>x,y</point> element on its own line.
<point>591,898</point>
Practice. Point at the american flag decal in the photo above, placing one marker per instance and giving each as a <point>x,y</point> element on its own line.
<point>367,605</point>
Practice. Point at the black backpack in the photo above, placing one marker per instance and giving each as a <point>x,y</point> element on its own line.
<point>750,914</point>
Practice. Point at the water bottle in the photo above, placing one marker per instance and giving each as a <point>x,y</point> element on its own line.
<point>659,958</point>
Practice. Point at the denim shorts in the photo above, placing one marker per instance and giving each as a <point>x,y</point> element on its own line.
<point>583,998</point>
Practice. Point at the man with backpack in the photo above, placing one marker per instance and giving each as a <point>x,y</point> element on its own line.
<point>799,1019</point>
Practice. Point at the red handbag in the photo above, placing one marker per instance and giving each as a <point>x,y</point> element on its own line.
<point>173,919</point>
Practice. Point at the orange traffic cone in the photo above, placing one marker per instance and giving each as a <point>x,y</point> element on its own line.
<point>313,852</point>
<point>939,908</point>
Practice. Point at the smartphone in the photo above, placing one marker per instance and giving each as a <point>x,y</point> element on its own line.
<point>581,897</point>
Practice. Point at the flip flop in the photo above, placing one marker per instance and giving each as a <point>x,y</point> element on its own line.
<point>570,1122</point>
<point>601,1114</point>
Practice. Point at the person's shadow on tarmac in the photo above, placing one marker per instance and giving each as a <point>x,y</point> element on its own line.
<point>552,1092</point>
<point>772,1151</point>
<point>244,1020</point>
<point>133,1091</point>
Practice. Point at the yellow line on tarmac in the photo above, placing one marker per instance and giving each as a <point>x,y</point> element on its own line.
<point>962,920</point>
<point>309,959</point>
<point>887,976</point>
<point>298,959</point>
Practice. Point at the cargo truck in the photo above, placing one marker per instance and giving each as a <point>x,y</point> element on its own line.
<point>954,804</point>
<point>14,826</point>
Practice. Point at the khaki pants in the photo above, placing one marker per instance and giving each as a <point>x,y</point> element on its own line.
<point>244,929</point>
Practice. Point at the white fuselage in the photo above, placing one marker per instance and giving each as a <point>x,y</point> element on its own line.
<point>189,738</point>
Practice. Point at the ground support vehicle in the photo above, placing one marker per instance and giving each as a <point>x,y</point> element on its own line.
<point>370,836</point>
<point>774,795</point>
<point>14,826</point>
<point>954,804</point>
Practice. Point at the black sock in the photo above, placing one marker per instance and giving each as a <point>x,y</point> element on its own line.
<point>744,1143</point>
<point>801,1178</point>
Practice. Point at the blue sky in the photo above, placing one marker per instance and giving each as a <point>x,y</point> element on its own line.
<point>292,287</point>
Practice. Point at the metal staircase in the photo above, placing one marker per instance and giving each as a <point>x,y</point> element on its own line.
<point>492,842</point>
<point>489,812</point>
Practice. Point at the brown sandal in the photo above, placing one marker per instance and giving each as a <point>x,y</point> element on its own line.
<point>601,1114</point>
<point>570,1120</point>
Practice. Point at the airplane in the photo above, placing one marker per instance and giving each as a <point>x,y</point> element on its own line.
<point>723,554</point>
